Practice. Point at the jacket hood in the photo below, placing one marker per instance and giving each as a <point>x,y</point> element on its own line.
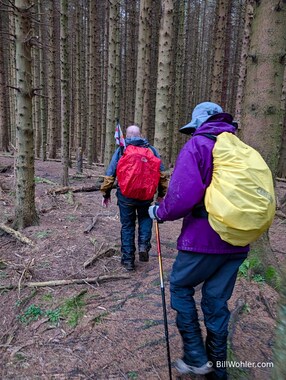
<point>137,141</point>
<point>216,124</point>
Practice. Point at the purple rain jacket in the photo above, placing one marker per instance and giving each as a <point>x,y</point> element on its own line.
<point>191,176</point>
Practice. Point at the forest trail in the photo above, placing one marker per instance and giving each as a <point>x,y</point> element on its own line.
<point>111,330</point>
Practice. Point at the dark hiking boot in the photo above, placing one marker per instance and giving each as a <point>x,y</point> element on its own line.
<point>184,368</point>
<point>144,256</point>
<point>128,266</point>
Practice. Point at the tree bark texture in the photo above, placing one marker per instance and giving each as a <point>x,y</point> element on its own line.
<point>219,52</point>
<point>164,80</point>
<point>111,81</point>
<point>262,114</point>
<point>64,92</point>
<point>4,116</point>
<point>243,57</point>
<point>25,210</point>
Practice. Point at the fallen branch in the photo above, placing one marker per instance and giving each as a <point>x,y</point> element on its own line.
<point>16,234</point>
<point>94,221</point>
<point>267,305</point>
<point>90,227</point>
<point>240,303</point>
<point>66,189</point>
<point>26,269</point>
<point>280,179</point>
<point>99,255</point>
<point>78,281</point>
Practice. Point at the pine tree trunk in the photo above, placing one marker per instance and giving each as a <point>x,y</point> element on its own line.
<point>111,82</point>
<point>92,80</point>
<point>64,92</point>
<point>178,85</point>
<point>12,81</point>
<point>4,120</point>
<point>227,56</point>
<point>55,120</point>
<point>25,210</point>
<point>243,57</point>
<point>164,81</point>
<point>144,32</point>
<point>45,12</point>
<point>262,114</point>
<point>150,73</point>
<point>36,80</point>
<point>219,44</point>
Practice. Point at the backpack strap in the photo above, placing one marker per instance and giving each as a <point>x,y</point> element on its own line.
<point>199,210</point>
<point>152,149</point>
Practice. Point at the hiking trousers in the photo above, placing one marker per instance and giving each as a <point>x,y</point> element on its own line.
<point>130,211</point>
<point>218,273</point>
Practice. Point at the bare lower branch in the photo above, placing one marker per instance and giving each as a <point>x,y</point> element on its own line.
<point>14,88</point>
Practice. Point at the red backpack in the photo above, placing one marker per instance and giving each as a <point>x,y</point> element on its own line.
<point>138,173</point>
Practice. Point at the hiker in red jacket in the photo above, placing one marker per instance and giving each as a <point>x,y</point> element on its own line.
<point>203,256</point>
<point>136,206</point>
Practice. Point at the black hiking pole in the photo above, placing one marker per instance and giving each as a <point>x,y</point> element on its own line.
<point>163,297</point>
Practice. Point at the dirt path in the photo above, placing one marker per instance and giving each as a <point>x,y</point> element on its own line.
<point>104,331</point>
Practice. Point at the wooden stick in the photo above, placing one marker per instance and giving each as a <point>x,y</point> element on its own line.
<point>239,305</point>
<point>91,260</point>
<point>99,254</point>
<point>31,262</point>
<point>63,190</point>
<point>92,280</point>
<point>90,227</point>
<point>16,234</point>
<point>267,305</point>
<point>94,220</point>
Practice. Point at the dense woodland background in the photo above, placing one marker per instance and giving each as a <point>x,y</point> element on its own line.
<point>82,64</point>
<point>70,69</point>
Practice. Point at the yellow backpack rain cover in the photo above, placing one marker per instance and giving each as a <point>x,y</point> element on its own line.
<point>240,199</point>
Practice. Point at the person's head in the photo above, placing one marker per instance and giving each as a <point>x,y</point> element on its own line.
<point>200,114</point>
<point>133,131</point>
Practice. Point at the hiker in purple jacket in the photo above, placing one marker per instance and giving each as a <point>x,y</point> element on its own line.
<point>203,257</point>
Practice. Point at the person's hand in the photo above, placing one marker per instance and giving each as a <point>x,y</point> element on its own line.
<point>106,202</point>
<point>153,212</point>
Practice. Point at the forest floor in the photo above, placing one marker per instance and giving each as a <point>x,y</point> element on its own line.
<point>113,329</point>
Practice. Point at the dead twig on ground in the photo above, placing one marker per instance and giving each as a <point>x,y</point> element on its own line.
<point>26,269</point>
<point>93,280</point>
<point>94,221</point>
<point>16,234</point>
<point>267,305</point>
<point>239,305</point>
<point>92,259</point>
<point>66,189</point>
<point>90,226</point>
<point>99,254</point>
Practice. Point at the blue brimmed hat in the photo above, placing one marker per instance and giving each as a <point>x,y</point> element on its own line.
<point>200,114</point>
